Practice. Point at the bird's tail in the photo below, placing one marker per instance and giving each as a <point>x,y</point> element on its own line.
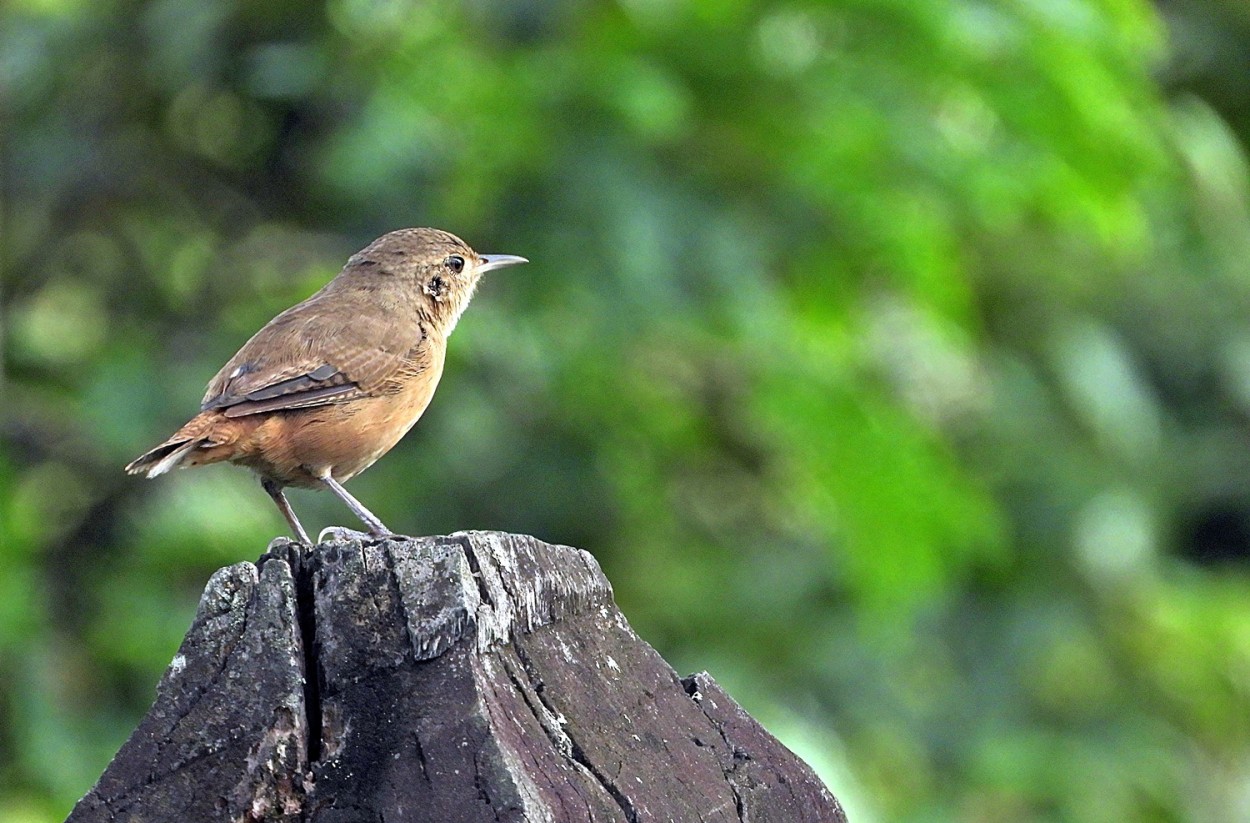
<point>192,445</point>
<point>166,456</point>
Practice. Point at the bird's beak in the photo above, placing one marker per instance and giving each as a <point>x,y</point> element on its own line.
<point>488,262</point>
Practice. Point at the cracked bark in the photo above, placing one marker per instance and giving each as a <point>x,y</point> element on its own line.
<point>475,677</point>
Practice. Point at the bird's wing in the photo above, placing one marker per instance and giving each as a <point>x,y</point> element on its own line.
<point>308,356</point>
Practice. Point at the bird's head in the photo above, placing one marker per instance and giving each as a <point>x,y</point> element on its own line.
<point>435,266</point>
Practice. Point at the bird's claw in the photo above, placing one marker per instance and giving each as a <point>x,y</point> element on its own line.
<point>341,534</point>
<point>282,548</point>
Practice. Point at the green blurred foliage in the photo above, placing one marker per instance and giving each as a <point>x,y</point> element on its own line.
<point>891,356</point>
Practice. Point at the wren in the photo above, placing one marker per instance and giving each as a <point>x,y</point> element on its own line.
<point>331,384</point>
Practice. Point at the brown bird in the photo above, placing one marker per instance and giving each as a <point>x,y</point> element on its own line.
<point>331,384</point>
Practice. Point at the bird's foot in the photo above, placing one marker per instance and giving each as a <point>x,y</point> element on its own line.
<point>283,548</point>
<point>341,533</point>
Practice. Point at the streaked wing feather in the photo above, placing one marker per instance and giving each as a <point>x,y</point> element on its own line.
<point>307,356</point>
<point>302,400</point>
<point>298,385</point>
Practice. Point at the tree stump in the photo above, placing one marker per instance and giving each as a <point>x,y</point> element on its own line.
<point>476,677</point>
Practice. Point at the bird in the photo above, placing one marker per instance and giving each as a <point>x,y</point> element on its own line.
<point>331,384</point>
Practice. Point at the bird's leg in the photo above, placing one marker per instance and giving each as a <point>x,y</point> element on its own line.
<point>376,528</point>
<point>275,491</point>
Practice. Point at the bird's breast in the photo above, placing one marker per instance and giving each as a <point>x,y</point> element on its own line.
<point>296,447</point>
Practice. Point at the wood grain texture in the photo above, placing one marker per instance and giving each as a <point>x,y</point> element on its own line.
<point>475,677</point>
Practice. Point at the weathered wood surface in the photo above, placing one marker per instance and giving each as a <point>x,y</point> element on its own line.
<point>475,677</point>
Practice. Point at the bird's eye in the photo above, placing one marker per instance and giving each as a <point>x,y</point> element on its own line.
<point>455,263</point>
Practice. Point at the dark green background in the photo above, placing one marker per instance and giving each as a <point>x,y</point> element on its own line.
<point>892,356</point>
